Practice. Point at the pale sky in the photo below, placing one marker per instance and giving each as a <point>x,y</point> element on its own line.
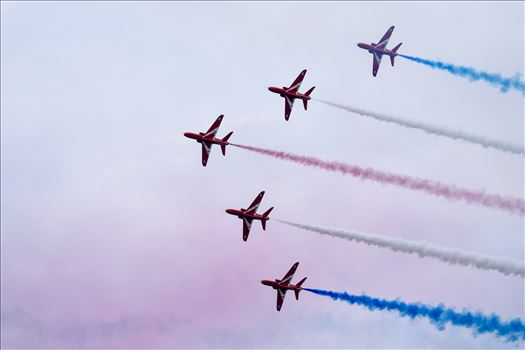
<point>114,235</point>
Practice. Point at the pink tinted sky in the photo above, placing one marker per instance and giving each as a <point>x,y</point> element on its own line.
<point>114,235</point>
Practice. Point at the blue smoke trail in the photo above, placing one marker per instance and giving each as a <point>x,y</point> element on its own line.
<point>438,315</point>
<point>473,74</point>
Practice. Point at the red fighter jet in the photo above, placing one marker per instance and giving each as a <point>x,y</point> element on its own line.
<point>248,215</point>
<point>282,286</point>
<point>379,49</point>
<point>208,139</point>
<point>291,93</point>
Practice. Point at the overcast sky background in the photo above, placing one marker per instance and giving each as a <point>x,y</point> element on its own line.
<point>114,235</point>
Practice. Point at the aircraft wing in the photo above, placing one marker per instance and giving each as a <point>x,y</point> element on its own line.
<point>281,293</point>
<point>384,40</point>
<point>246,226</point>
<point>206,149</point>
<point>288,105</point>
<point>255,204</point>
<point>214,127</point>
<point>289,275</point>
<point>376,63</point>
<point>297,82</point>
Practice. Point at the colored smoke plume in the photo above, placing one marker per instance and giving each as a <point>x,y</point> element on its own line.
<point>505,84</point>
<point>440,315</point>
<point>511,205</point>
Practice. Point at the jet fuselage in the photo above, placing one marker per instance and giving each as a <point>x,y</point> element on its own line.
<point>242,214</point>
<point>278,285</point>
<point>371,48</point>
<point>284,92</point>
<point>200,137</point>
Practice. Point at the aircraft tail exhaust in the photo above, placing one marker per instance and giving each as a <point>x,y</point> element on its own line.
<point>307,93</point>
<point>394,50</point>
<point>296,291</point>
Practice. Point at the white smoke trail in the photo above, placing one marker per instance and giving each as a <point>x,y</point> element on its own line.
<point>455,135</point>
<point>422,249</point>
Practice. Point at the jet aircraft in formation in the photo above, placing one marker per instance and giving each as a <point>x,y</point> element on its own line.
<point>250,214</point>
<point>208,139</point>
<point>284,285</point>
<point>291,93</point>
<point>379,49</point>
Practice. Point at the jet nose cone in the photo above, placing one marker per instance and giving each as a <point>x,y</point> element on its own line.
<point>187,134</point>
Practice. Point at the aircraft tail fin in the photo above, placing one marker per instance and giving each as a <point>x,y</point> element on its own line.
<point>307,93</point>
<point>397,47</point>
<point>394,50</point>
<point>298,290</point>
<point>266,213</point>
<point>225,139</point>
<point>263,221</point>
<point>301,282</point>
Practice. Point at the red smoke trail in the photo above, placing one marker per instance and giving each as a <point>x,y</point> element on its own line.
<point>513,205</point>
